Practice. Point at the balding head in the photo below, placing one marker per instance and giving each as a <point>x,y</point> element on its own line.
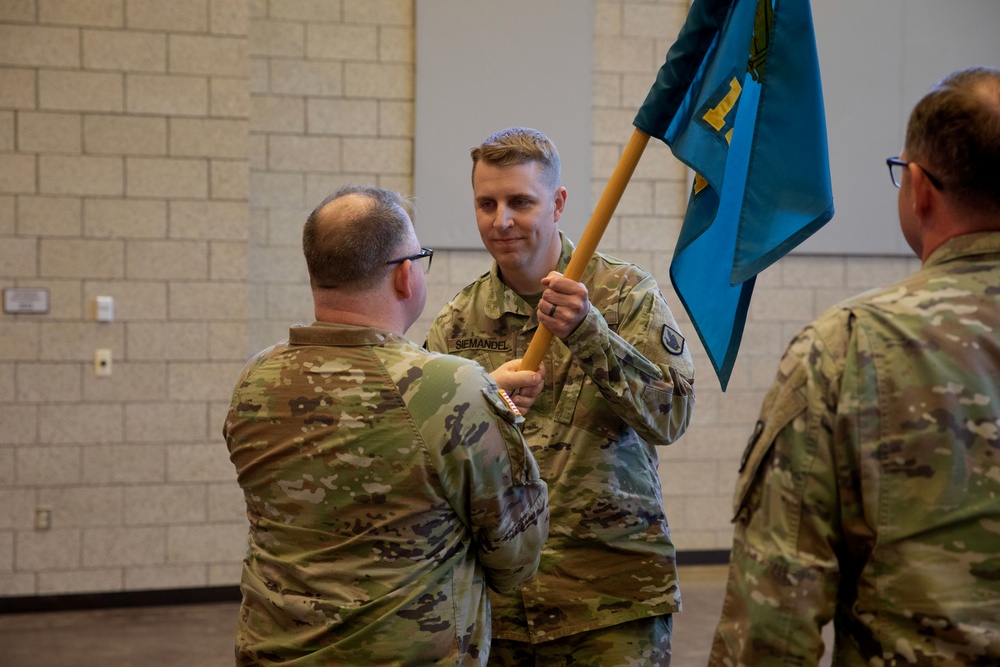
<point>349,238</point>
<point>954,132</point>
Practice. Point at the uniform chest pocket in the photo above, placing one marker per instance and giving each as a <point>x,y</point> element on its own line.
<point>484,359</point>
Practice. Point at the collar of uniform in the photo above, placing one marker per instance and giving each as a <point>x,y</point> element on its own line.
<point>345,335</point>
<point>960,247</point>
<point>504,300</point>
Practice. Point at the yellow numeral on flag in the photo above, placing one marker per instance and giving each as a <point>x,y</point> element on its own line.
<point>699,183</point>
<point>717,117</point>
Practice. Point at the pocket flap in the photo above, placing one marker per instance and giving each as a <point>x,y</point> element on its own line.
<point>781,405</point>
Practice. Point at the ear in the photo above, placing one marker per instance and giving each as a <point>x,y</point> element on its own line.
<point>923,191</point>
<point>560,202</point>
<point>401,280</point>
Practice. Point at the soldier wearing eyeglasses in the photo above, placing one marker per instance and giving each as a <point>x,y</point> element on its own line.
<point>869,494</point>
<point>386,487</point>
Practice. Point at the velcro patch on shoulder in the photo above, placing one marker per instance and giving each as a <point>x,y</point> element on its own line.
<point>673,341</point>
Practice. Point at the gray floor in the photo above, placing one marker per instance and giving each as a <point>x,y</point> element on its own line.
<point>202,635</point>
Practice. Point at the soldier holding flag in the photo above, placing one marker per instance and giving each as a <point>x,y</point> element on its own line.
<point>617,383</point>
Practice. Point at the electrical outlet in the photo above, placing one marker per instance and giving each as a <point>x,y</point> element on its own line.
<point>102,362</point>
<point>43,518</point>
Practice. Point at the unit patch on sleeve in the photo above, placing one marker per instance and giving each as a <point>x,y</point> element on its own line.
<point>672,341</point>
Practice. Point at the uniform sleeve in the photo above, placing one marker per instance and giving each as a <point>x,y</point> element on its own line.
<point>785,569</point>
<point>644,370</point>
<point>435,341</point>
<point>490,476</point>
<point>512,525</point>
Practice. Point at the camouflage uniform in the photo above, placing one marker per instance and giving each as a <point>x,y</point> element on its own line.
<point>618,385</point>
<point>870,492</point>
<point>644,642</point>
<point>385,487</point>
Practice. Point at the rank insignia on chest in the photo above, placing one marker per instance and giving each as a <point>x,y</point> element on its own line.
<point>672,341</point>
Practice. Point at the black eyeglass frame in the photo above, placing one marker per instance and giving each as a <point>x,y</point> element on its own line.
<point>424,252</point>
<point>895,161</point>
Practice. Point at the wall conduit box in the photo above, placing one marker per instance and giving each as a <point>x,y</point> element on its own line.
<point>105,308</point>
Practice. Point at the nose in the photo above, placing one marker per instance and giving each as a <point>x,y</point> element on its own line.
<point>504,218</point>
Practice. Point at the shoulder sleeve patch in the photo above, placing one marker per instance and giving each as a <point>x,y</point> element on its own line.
<point>673,341</point>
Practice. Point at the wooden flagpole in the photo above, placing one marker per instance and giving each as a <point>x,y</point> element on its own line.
<point>587,246</point>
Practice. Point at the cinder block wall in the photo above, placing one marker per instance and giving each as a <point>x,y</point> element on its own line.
<point>123,172</point>
<point>331,99</point>
<point>166,154</point>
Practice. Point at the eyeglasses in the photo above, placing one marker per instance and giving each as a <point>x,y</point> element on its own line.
<point>426,256</point>
<point>896,167</point>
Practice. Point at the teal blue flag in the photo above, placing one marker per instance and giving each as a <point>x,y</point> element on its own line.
<point>739,100</point>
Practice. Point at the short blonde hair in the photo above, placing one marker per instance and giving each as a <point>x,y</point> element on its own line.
<point>519,145</point>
